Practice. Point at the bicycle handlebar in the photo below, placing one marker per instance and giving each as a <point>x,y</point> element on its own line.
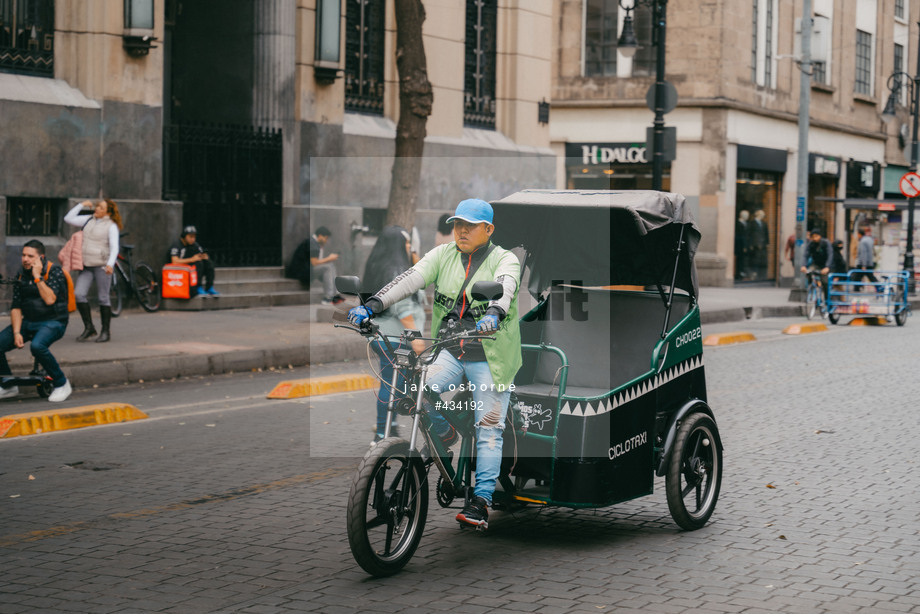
<point>369,329</point>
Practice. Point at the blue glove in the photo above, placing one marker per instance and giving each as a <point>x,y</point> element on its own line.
<point>357,315</point>
<point>487,324</point>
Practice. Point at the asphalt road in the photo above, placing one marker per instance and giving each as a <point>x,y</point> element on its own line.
<point>223,501</point>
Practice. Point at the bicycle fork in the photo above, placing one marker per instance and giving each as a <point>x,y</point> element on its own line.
<point>445,470</point>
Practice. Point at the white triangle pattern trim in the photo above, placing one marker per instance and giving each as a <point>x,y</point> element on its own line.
<point>603,406</point>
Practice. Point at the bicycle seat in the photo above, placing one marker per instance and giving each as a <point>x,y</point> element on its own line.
<point>127,247</point>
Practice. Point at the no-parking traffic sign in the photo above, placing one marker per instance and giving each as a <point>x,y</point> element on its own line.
<point>910,185</point>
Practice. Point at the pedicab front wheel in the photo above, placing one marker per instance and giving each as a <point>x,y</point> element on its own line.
<point>694,474</point>
<point>387,508</point>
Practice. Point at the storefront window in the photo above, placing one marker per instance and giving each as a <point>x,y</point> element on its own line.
<point>756,216</point>
<point>820,211</point>
<point>633,177</point>
<point>611,166</point>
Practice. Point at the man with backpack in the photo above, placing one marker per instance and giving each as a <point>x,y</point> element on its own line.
<point>38,314</point>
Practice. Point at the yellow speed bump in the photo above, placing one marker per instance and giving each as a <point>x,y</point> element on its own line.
<point>801,329</point>
<point>348,382</point>
<point>727,338</point>
<point>870,321</point>
<point>33,423</point>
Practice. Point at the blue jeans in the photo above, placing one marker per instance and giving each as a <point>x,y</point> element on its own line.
<point>42,335</point>
<point>490,405</point>
<point>386,377</point>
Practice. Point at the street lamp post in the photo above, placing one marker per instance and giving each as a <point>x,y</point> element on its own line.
<point>895,82</point>
<point>627,45</point>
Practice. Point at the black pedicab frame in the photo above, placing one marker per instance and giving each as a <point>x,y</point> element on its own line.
<point>614,392</point>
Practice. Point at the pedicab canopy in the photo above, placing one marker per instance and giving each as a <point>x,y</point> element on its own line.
<point>601,237</point>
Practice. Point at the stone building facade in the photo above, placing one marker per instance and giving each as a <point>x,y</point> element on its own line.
<point>220,114</point>
<point>732,66</point>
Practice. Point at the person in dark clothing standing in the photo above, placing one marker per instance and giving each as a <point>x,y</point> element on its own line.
<point>187,251</point>
<point>865,257</point>
<point>839,264</point>
<point>38,314</point>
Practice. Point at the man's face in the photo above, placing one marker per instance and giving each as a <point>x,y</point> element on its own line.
<point>189,239</point>
<point>322,240</point>
<point>470,237</point>
<point>30,256</point>
<point>816,237</point>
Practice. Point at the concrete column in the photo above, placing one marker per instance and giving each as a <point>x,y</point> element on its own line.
<point>273,80</point>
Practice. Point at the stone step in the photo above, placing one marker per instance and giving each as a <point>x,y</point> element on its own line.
<point>235,301</point>
<point>254,272</point>
<point>258,286</point>
<point>247,287</point>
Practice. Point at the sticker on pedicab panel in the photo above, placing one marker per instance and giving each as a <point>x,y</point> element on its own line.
<point>534,415</point>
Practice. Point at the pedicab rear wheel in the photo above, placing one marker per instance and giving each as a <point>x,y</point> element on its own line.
<point>694,474</point>
<point>387,508</point>
<point>833,318</point>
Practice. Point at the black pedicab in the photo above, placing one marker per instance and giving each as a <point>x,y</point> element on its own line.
<point>612,390</point>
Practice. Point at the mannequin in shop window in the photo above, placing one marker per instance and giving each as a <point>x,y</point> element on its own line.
<point>741,245</point>
<point>758,238</point>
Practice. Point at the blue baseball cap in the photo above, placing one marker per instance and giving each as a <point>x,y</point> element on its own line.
<point>473,210</point>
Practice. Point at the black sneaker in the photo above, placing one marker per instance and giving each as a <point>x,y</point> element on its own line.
<point>476,513</point>
<point>450,438</point>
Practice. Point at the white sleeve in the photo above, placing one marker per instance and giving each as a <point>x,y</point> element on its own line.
<point>74,218</point>
<point>113,244</point>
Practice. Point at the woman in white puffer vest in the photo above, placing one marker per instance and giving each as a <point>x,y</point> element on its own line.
<point>100,250</point>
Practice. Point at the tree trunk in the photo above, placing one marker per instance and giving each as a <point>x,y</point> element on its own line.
<point>415,100</point>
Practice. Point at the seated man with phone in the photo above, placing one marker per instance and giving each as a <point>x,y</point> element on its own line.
<point>38,314</point>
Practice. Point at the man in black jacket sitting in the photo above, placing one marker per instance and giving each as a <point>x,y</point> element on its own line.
<point>38,314</point>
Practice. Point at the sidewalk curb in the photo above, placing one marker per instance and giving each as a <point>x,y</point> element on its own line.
<point>131,370</point>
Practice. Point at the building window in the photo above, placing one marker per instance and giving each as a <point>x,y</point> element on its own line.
<point>33,217</point>
<point>602,19</point>
<point>754,43</point>
<point>820,49</point>
<point>863,83</point>
<point>763,44</point>
<point>601,38</point>
<point>899,9</point>
<point>364,55</point>
<point>768,48</point>
<point>479,70</point>
<point>27,37</point>
<point>819,72</point>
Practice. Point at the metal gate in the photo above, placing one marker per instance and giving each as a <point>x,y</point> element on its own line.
<point>229,179</point>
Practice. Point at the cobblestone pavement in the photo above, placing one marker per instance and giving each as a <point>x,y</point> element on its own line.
<point>238,506</point>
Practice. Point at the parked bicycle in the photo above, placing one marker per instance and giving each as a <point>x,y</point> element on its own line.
<point>137,278</point>
<point>815,299</point>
